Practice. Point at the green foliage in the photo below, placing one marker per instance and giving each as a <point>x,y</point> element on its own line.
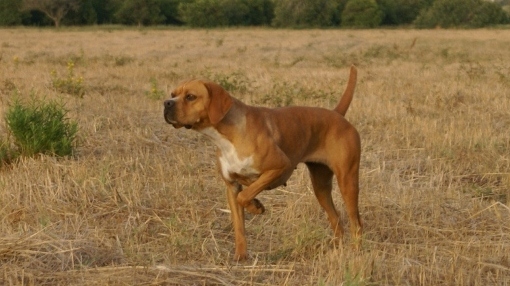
<point>401,12</point>
<point>202,13</point>
<point>105,10</point>
<point>212,13</point>
<point>279,13</point>
<point>461,13</point>
<point>170,9</point>
<point>140,12</point>
<point>69,84</point>
<point>362,14</point>
<point>307,13</point>
<point>85,14</point>
<point>41,127</point>
<point>10,12</point>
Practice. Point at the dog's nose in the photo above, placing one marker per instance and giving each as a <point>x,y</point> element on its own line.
<point>169,103</point>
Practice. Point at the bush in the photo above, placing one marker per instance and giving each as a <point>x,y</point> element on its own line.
<point>362,14</point>
<point>140,12</point>
<point>10,12</point>
<point>489,13</point>
<point>401,12</point>
<point>41,128</point>
<point>213,13</point>
<point>307,13</point>
<point>461,13</point>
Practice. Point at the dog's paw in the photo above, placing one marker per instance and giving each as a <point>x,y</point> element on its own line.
<point>255,207</point>
<point>240,257</point>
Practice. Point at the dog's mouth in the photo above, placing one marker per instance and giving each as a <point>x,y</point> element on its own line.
<point>175,123</point>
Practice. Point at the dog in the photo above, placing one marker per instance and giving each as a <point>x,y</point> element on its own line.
<point>258,148</point>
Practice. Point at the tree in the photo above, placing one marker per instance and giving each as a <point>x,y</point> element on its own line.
<point>85,15</point>
<point>140,12</point>
<point>362,14</point>
<point>261,12</point>
<point>399,12</point>
<point>307,13</point>
<point>53,9</point>
<point>461,13</point>
<point>105,10</point>
<point>10,12</point>
<point>170,9</point>
<point>213,13</point>
<point>203,13</point>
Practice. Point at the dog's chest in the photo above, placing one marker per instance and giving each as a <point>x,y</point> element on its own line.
<point>233,167</point>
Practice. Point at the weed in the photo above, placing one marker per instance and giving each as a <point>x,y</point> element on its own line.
<point>77,58</point>
<point>41,127</point>
<point>122,60</point>
<point>382,52</point>
<point>285,94</point>
<point>236,81</point>
<point>474,70</point>
<point>278,98</point>
<point>219,42</point>
<point>296,61</point>
<point>15,60</point>
<point>8,86</point>
<point>6,153</point>
<point>351,279</point>
<point>69,84</point>
<point>155,93</point>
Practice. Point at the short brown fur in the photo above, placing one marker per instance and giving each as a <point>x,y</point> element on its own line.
<point>259,148</point>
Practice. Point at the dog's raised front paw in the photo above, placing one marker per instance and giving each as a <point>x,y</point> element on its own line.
<point>255,207</point>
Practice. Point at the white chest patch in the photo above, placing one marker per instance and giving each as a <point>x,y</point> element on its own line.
<point>230,162</point>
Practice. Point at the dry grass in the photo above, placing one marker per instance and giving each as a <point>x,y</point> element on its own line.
<point>141,203</point>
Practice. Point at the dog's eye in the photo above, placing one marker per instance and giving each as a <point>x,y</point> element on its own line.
<point>190,97</point>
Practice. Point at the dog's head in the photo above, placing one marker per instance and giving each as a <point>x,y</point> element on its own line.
<point>197,104</point>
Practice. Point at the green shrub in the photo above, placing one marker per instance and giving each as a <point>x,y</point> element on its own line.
<point>401,12</point>
<point>307,13</point>
<point>69,84</point>
<point>140,12</point>
<point>362,14</point>
<point>41,128</point>
<point>461,13</point>
<point>214,13</point>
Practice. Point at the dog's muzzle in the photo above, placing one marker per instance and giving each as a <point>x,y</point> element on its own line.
<point>169,114</point>
<point>169,111</point>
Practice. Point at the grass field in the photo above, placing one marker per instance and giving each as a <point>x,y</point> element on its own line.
<point>141,203</point>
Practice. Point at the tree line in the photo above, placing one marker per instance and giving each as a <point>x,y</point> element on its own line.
<point>275,13</point>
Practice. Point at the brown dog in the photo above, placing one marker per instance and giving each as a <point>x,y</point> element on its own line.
<point>259,148</point>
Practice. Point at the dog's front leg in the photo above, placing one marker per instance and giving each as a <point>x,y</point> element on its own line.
<point>247,199</point>
<point>237,216</point>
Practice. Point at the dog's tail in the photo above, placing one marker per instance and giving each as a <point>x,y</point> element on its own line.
<point>346,99</point>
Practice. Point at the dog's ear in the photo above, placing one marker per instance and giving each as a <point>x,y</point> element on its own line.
<point>220,102</point>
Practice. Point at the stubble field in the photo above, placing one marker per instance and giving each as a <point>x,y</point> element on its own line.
<point>141,203</point>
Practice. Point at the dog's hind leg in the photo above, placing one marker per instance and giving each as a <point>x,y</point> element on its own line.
<point>322,178</point>
<point>348,181</point>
